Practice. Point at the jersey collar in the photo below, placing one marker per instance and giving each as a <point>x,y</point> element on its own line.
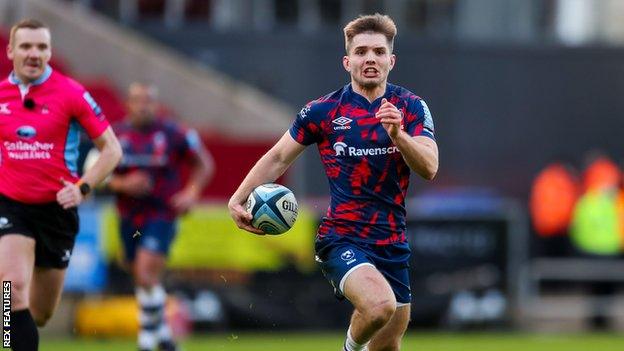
<point>364,101</point>
<point>44,77</point>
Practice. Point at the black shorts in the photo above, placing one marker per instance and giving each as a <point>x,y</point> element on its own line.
<point>53,228</point>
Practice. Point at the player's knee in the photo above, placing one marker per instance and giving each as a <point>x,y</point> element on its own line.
<point>19,291</point>
<point>146,280</point>
<point>41,318</point>
<point>381,313</point>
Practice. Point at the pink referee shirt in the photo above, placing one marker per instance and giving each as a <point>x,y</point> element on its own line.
<point>40,127</point>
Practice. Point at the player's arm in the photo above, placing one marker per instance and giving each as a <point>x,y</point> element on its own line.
<point>270,167</point>
<point>419,152</point>
<point>137,183</point>
<point>201,172</point>
<point>110,154</point>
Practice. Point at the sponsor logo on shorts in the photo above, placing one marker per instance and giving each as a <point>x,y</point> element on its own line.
<point>348,256</point>
<point>151,243</point>
<point>5,223</point>
<point>66,256</point>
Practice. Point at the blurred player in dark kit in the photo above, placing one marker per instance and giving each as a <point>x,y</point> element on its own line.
<point>150,196</point>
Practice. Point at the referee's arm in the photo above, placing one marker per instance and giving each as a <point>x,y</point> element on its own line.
<point>110,155</point>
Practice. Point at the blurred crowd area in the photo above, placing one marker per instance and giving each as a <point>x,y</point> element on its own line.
<point>577,208</point>
<point>577,214</point>
<point>570,21</point>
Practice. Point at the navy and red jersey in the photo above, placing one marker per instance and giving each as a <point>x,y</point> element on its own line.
<point>159,149</point>
<point>368,177</point>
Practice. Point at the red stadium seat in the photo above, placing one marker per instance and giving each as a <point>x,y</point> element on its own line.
<point>233,158</point>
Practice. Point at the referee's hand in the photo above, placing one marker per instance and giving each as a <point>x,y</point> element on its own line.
<point>69,196</point>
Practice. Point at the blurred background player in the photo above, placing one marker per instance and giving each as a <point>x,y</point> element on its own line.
<point>370,134</point>
<point>150,196</point>
<point>42,112</point>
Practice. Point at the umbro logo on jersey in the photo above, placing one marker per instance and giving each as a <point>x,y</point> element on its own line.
<point>342,123</point>
<point>4,109</point>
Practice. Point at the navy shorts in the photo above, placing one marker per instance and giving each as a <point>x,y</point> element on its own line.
<point>340,257</point>
<point>53,228</point>
<point>155,235</point>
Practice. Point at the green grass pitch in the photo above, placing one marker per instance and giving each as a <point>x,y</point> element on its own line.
<point>273,341</point>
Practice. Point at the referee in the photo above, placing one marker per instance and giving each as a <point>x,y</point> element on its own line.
<point>41,115</point>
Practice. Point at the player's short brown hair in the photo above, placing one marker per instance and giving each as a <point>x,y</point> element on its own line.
<point>376,23</point>
<point>25,23</point>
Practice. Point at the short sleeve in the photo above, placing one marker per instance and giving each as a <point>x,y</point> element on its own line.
<point>185,142</point>
<point>90,115</point>
<point>419,121</point>
<point>303,129</point>
<point>190,142</point>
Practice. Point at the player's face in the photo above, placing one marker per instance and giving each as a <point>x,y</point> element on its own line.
<point>30,53</point>
<point>369,60</point>
<point>141,104</point>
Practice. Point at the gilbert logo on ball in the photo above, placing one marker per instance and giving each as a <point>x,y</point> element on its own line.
<point>273,207</point>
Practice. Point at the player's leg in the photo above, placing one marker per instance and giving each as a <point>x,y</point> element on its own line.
<point>389,337</point>
<point>148,269</point>
<point>132,237</point>
<point>17,259</point>
<point>45,293</point>
<point>374,303</point>
<point>56,230</point>
<point>393,265</point>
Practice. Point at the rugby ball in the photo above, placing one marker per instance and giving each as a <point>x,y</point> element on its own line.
<point>273,207</point>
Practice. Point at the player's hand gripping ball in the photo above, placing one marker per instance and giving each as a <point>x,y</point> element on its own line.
<point>273,207</point>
